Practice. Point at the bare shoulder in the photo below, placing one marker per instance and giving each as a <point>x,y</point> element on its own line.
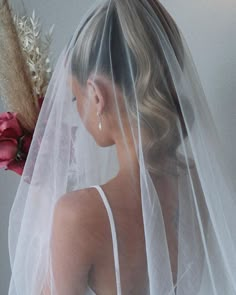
<point>79,224</point>
<point>80,206</point>
<point>74,238</point>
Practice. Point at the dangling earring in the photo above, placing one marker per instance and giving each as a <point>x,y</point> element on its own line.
<point>100,122</point>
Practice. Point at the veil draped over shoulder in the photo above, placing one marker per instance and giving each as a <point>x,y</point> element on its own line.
<point>151,104</point>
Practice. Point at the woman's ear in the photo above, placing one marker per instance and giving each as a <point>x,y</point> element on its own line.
<point>97,93</point>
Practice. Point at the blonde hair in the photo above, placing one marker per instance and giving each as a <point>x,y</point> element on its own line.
<point>131,30</point>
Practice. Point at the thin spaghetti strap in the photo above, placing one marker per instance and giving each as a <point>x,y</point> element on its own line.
<point>114,237</point>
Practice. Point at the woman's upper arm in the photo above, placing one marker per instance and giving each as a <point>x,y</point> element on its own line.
<point>71,246</point>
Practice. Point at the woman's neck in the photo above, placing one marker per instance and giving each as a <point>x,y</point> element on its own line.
<point>128,161</point>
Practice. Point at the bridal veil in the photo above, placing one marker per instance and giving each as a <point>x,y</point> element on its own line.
<point>135,49</point>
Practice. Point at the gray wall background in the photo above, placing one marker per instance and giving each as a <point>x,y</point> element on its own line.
<point>209,27</point>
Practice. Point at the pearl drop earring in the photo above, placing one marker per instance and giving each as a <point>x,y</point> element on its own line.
<point>100,122</point>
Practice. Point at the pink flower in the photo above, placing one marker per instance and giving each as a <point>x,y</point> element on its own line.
<point>8,150</point>
<point>18,163</point>
<point>14,143</point>
<point>10,126</point>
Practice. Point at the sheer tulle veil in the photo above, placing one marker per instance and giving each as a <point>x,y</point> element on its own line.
<point>135,52</point>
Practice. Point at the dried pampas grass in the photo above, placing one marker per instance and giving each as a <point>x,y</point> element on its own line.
<point>36,51</point>
<point>24,64</point>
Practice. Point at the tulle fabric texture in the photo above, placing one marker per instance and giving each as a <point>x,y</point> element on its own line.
<point>189,227</point>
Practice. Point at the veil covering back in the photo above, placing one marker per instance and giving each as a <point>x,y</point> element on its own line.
<point>156,110</point>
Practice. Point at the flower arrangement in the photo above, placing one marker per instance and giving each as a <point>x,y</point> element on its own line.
<point>25,72</point>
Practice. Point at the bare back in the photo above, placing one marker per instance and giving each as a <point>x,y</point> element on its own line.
<point>127,216</point>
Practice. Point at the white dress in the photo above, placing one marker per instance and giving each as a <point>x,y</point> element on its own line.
<point>114,241</point>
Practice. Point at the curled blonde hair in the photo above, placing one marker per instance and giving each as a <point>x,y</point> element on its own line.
<point>130,30</point>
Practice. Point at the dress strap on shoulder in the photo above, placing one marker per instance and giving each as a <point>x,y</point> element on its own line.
<point>114,237</point>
